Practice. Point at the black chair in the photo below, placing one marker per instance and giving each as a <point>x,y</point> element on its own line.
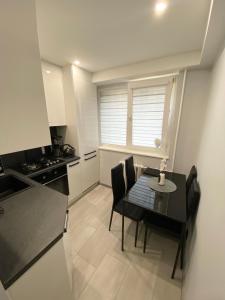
<point>192,175</point>
<point>130,172</point>
<point>173,227</point>
<point>120,206</point>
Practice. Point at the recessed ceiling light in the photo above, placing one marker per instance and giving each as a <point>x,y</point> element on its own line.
<point>77,62</point>
<point>48,71</point>
<point>160,7</point>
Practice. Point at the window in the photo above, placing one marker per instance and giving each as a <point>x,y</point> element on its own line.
<point>134,115</point>
<point>113,114</point>
<point>148,109</point>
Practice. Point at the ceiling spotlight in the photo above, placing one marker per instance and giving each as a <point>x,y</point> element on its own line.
<point>160,7</point>
<point>77,62</point>
<point>48,71</point>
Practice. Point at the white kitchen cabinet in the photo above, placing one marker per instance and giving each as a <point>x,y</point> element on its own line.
<point>90,170</point>
<point>74,180</point>
<point>23,114</point>
<point>82,120</point>
<point>54,95</point>
<point>3,293</point>
<point>47,279</point>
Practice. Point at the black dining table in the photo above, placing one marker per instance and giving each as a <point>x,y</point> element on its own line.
<point>170,205</point>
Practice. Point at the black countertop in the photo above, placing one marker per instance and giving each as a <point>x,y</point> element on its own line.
<point>33,221</point>
<point>64,161</point>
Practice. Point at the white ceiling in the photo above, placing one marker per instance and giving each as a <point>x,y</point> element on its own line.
<point>108,33</point>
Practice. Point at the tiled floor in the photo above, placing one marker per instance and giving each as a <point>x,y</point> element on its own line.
<point>101,271</point>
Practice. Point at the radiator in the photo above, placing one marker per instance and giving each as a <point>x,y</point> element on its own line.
<point>139,169</point>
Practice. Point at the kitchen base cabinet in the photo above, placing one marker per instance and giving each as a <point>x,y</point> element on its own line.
<point>47,279</point>
<point>74,180</point>
<point>90,170</point>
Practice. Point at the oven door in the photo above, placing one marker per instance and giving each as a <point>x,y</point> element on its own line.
<point>55,179</point>
<point>59,184</point>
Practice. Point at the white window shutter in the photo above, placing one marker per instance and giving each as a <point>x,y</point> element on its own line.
<point>113,114</point>
<point>148,110</point>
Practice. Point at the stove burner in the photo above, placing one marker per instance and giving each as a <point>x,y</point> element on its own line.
<point>31,167</point>
<point>44,162</point>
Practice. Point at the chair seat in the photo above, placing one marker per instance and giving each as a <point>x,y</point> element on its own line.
<point>157,221</point>
<point>129,210</point>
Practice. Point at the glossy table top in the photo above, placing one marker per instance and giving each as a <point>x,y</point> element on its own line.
<point>171,205</point>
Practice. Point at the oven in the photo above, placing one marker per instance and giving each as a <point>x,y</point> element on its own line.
<point>55,179</point>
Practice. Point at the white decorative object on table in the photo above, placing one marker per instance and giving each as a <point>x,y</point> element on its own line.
<point>162,168</point>
<point>162,179</point>
<point>163,165</point>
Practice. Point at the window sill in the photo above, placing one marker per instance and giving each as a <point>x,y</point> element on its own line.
<point>134,152</point>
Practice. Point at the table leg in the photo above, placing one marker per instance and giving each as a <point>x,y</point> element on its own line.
<point>183,246</point>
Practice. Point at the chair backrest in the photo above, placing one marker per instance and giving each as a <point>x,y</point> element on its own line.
<point>193,199</point>
<point>130,172</point>
<point>193,174</point>
<point>118,183</point>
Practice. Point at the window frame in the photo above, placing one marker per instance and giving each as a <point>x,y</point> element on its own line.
<point>165,80</point>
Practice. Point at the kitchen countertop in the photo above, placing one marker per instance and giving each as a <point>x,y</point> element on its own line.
<point>33,221</point>
<point>67,160</point>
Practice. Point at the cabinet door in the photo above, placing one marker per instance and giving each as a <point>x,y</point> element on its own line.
<point>53,86</point>
<point>86,97</point>
<point>74,180</point>
<point>47,279</point>
<point>23,115</point>
<point>90,170</point>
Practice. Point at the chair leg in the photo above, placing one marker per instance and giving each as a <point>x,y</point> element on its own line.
<point>181,258</point>
<point>145,238</point>
<point>176,260</point>
<point>183,246</point>
<point>111,219</point>
<point>136,234</point>
<point>122,242</point>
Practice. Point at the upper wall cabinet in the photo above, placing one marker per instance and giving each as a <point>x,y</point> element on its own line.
<point>23,115</point>
<point>53,86</point>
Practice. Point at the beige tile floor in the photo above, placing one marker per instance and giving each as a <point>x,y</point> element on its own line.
<point>101,271</point>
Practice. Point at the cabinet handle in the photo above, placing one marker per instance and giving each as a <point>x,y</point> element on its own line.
<point>89,153</point>
<point>70,166</point>
<point>66,221</point>
<point>90,157</point>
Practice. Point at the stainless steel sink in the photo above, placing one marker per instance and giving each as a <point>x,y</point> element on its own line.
<point>10,185</point>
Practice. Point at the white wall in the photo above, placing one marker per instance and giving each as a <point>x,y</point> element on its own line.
<point>192,119</point>
<point>205,275</point>
<point>150,67</point>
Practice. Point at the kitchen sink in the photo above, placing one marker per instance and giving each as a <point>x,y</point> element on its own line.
<point>10,185</point>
